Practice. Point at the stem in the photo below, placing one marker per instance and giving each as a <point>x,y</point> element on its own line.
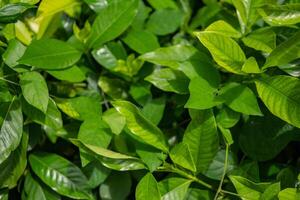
<point>224,172</point>
<point>170,168</point>
<point>3,79</point>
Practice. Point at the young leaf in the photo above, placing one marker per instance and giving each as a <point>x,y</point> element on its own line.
<point>147,189</point>
<point>50,54</point>
<point>223,28</point>
<point>11,129</point>
<point>140,126</point>
<point>35,90</point>
<point>169,80</point>
<point>60,174</point>
<point>225,51</point>
<point>112,21</point>
<point>201,136</point>
<point>251,67</point>
<point>289,194</point>
<point>281,96</point>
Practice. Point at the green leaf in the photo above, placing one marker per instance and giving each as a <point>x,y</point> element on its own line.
<point>175,56</point>
<point>73,74</point>
<point>227,118</point>
<point>202,94</point>
<point>271,192</point>
<point>140,126</point>
<point>257,133</point>
<point>284,53</point>
<point>96,173</point>
<point>164,21</point>
<point>48,14</point>
<point>247,12</point>
<point>251,66</point>
<point>173,188</point>
<point>60,174</point>
<point>216,167</point>
<point>116,187</point>
<point>50,54</point>
<point>223,28</point>
<point>11,12</point>
<point>169,80</point>
<point>35,90</point>
<point>181,155</point>
<point>142,15</point>
<point>82,107</point>
<point>158,4</point>
<point>197,194</point>
<point>11,129</point>
<point>240,99</point>
<point>13,53</point>
<point>248,189</point>
<point>141,41</point>
<point>147,189</point>
<point>154,110</point>
<point>94,132</point>
<point>51,120</point>
<point>112,21</point>
<point>111,159</point>
<point>151,156</point>
<point>289,194</point>
<point>263,39</point>
<point>201,136</point>
<point>13,167</point>
<point>281,15</point>
<point>225,51</point>
<point>33,189</point>
<point>115,120</point>
<point>280,95</point>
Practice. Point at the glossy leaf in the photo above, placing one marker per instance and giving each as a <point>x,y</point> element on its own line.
<point>60,174</point>
<point>285,52</point>
<point>181,155</point>
<point>11,129</point>
<point>140,126</point>
<point>73,74</point>
<point>225,51</point>
<point>11,12</point>
<point>288,194</point>
<point>13,167</point>
<point>202,138</point>
<point>112,21</point>
<point>223,28</point>
<point>50,54</point>
<point>281,15</point>
<point>280,95</point>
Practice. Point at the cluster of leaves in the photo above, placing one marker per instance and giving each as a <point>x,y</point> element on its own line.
<point>150,99</point>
